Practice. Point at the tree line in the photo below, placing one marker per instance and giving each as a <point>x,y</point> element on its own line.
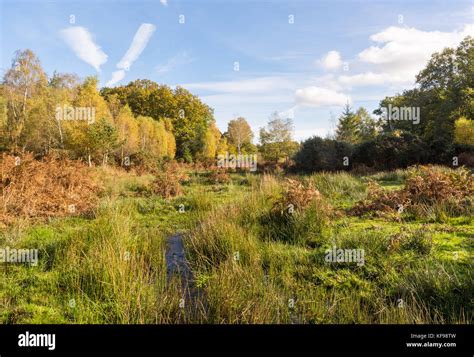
<point>443,132</point>
<point>145,122</point>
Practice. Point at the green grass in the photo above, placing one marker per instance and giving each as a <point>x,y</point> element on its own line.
<point>253,266</point>
<point>414,272</point>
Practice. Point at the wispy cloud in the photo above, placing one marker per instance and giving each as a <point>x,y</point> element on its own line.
<point>81,41</point>
<point>180,59</point>
<point>139,42</point>
<point>117,76</point>
<point>289,113</point>
<point>164,2</point>
<point>229,99</point>
<point>254,85</point>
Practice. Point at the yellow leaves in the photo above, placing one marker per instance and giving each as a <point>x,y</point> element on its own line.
<point>154,139</point>
<point>397,133</point>
<point>464,131</point>
<point>89,97</point>
<point>128,131</point>
<point>211,141</point>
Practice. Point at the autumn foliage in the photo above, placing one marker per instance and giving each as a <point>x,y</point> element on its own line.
<point>425,186</point>
<point>168,180</point>
<point>43,189</point>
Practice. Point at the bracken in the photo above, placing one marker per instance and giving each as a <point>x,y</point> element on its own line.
<point>46,188</point>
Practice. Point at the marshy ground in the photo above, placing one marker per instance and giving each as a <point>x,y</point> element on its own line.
<point>247,258</point>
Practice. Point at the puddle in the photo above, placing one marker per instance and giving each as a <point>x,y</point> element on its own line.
<point>177,265</point>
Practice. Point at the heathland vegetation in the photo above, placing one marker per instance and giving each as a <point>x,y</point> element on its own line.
<point>371,225</point>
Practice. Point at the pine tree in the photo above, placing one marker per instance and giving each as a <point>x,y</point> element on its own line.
<point>348,128</point>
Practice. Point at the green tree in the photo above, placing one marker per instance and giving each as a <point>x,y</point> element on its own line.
<point>86,138</point>
<point>348,127</point>
<point>464,131</point>
<point>239,133</point>
<point>189,116</point>
<point>276,139</point>
<point>368,127</point>
<point>444,94</point>
<point>102,138</point>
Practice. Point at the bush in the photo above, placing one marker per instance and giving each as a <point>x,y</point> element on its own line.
<point>430,184</point>
<point>466,159</point>
<point>380,201</point>
<point>449,191</point>
<point>317,154</point>
<point>465,154</point>
<point>52,187</point>
<point>219,177</point>
<point>298,215</point>
<point>168,180</point>
<point>389,152</point>
<point>297,194</point>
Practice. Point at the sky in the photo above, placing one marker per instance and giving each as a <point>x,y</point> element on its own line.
<point>304,59</point>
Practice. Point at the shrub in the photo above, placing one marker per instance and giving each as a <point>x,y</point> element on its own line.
<point>52,187</point>
<point>466,159</point>
<point>388,152</point>
<point>298,215</point>
<point>297,194</point>
<point>168,180</point>
<point>317,154</point>
<point>380,200</point>
<point>428,184</point>
<point>219,177</point>
<point>450,191</point>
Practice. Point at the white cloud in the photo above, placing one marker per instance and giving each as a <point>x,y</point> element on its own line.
<point>80,40</point>
<point>140,40</point>
<point>332,60</point>
<point>117,76</point>
<point>257,85</point>
<point>373,79</point>
<point>178,60</point>
<point>320,97</point>
<point>228,99</point>
<point>401,52</point>
<point>289,113</point>
<point>164,2</point>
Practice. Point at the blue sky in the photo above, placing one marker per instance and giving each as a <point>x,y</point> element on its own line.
<point>301,58</point>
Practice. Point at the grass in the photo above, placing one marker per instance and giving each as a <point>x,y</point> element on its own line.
<point>254,263</point>
<point>414,272</point>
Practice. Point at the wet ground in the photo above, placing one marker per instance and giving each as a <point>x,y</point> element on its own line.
<point>177,265</point>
